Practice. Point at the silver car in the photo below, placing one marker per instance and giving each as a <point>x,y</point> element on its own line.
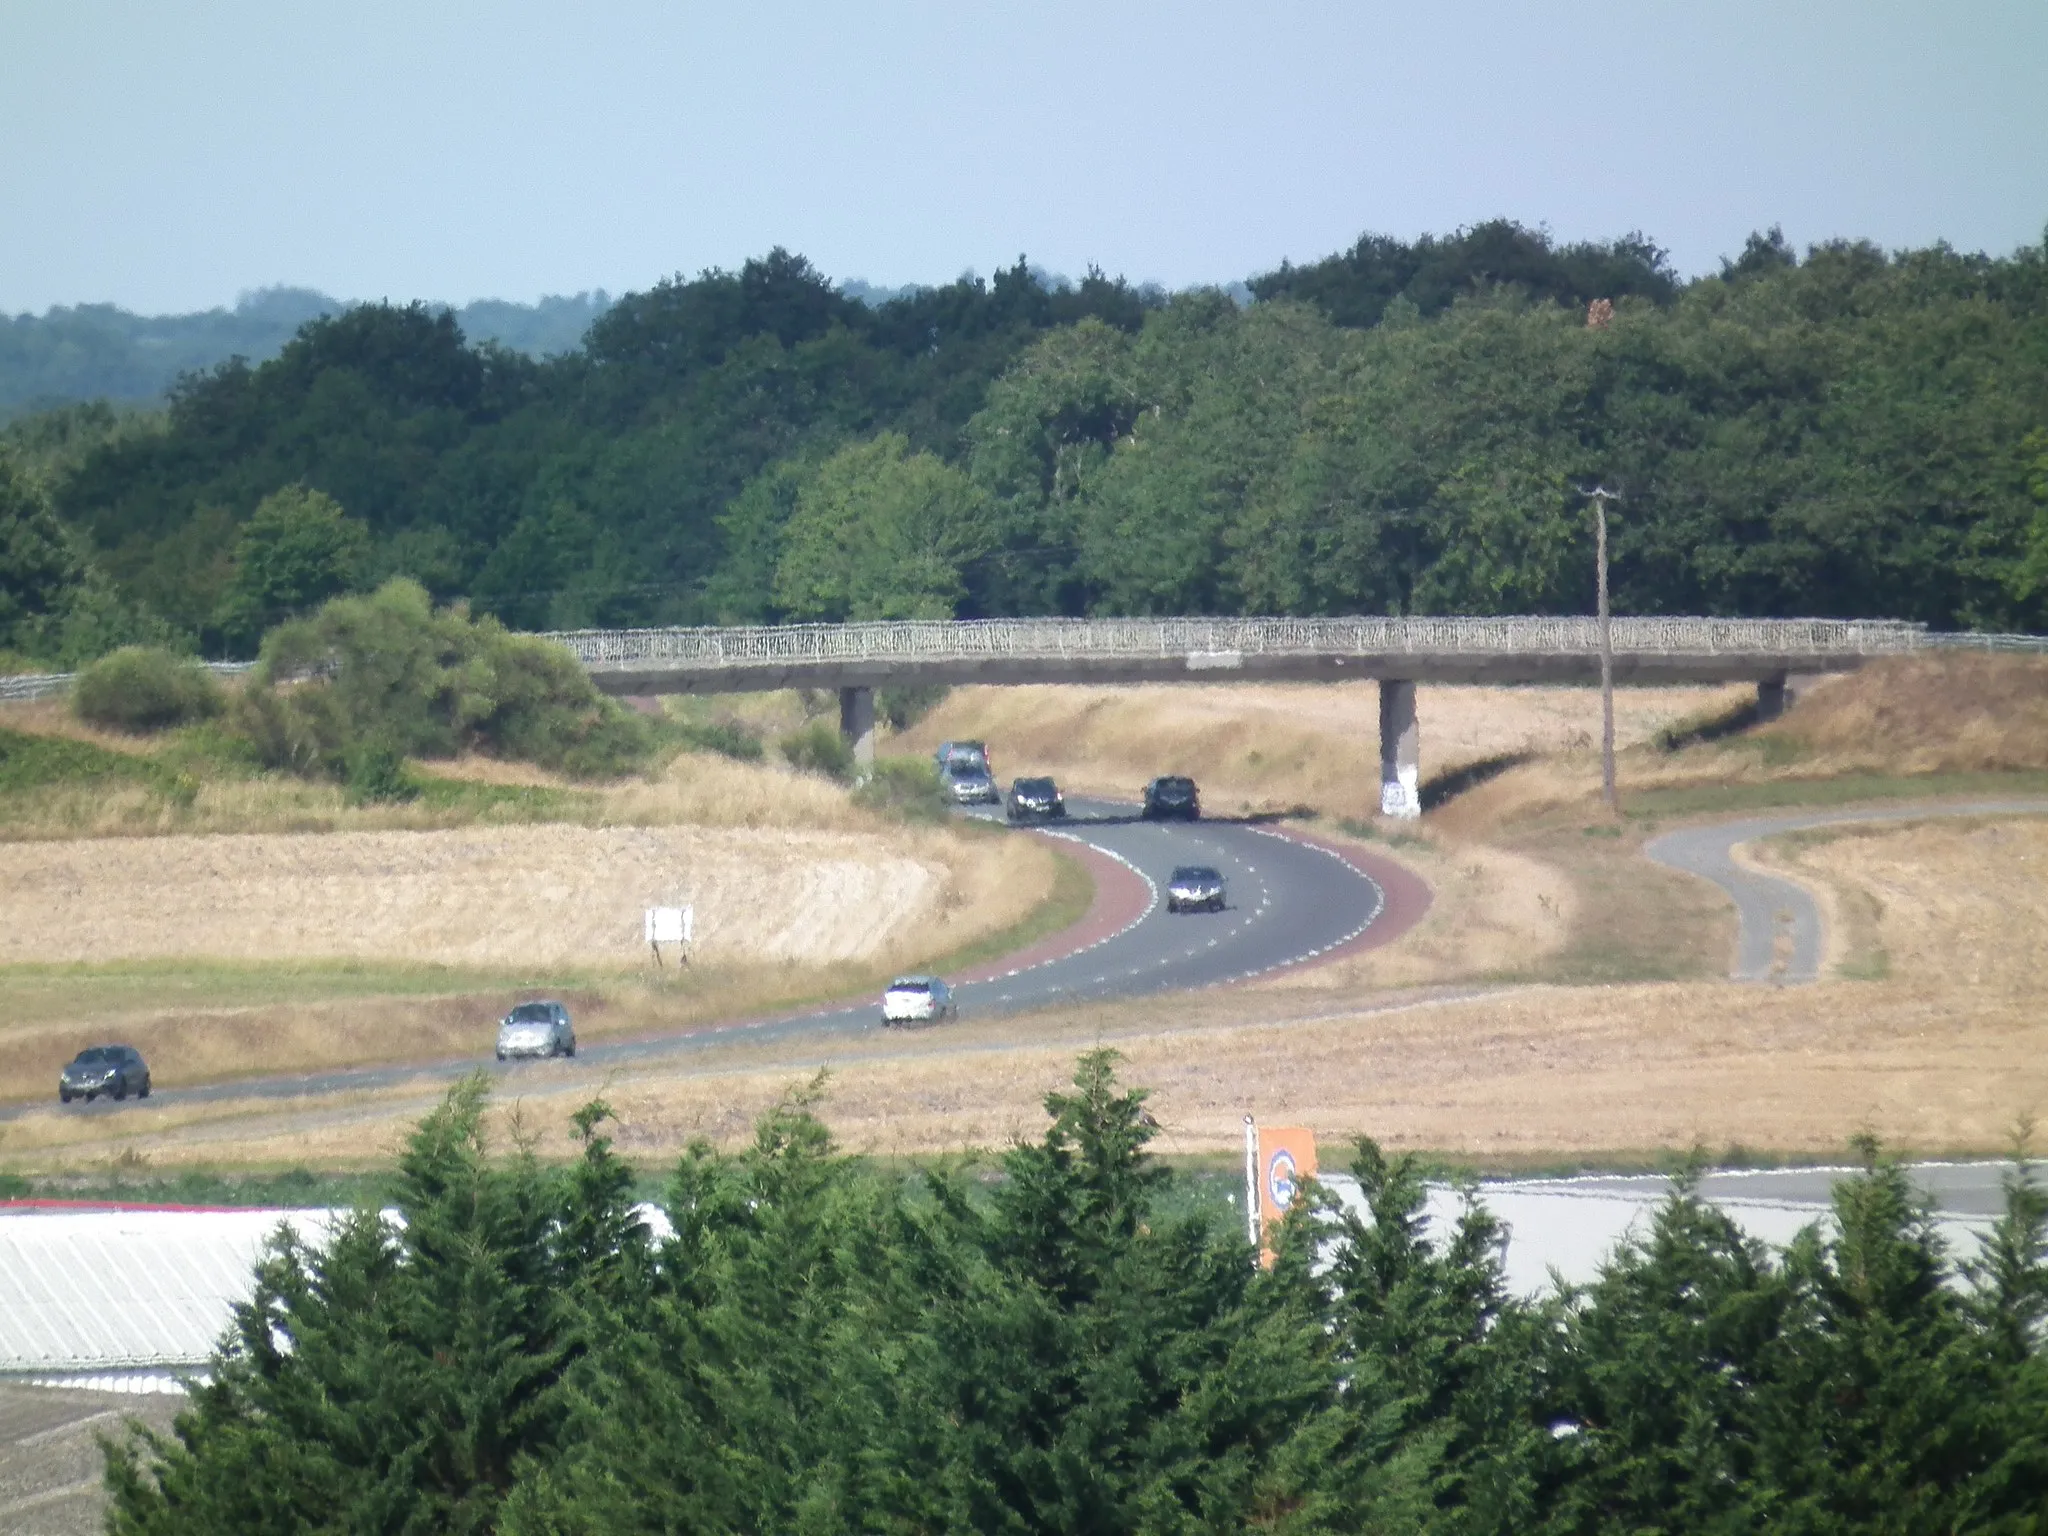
<point>536,1029</point>
<point>972,786</point>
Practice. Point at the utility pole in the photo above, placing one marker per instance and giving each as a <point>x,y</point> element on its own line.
<point>1600,496</point>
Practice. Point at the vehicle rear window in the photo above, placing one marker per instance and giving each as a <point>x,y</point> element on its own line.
<point>532,1013</point>
<point>910,986</point>
<point>1195,872</point>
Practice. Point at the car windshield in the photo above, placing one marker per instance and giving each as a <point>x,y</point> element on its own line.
<point>532,1013</point>
<point>910,984</point>
<point>1034,786</point>
<point>1176,786</point>
<point>1193,874</point>
<point>97,1055</point>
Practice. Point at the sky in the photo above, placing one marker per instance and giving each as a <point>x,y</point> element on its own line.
<point>169,156</point>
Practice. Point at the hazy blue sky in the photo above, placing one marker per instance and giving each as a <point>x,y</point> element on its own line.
<point>169,155</point>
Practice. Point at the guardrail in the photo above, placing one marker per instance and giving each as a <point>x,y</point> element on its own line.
<point>1139,639</point>
<point>42,685</point>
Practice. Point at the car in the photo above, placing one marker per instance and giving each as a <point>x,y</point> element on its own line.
<point>1194,888</point>
<point>115,1070</point>
<point>1172,795</point>
<point>536,1029</point>
<point>969,785</point>
<point>973,754</point>
<point>1035,797</point>
<point>918,1000</point>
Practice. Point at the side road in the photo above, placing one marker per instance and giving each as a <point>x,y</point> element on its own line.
<point>1771,909</point>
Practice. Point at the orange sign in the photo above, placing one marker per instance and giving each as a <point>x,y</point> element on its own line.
<point>1286,1162</point>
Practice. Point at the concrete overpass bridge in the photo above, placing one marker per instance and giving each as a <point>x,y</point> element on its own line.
<point>1396,652</point>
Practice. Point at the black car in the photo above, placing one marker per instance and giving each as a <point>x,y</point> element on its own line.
<point>115,1070</point>
<point>1194,888</point>
<point>1035,797</point>
<point>1172,795</point>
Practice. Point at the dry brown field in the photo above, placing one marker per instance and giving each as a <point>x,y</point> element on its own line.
<point>1560,1003</point>
<point>1944,1055</point>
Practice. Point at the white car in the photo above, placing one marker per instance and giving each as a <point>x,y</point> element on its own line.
<point>536,1029</point>
<point>918,1000</point>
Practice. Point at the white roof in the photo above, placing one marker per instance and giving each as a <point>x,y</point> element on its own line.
<point>121,1290</point>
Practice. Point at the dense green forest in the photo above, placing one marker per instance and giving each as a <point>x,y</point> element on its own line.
<point>1402,428</point>
<point>84,352</point>
<point>1072,1340</point>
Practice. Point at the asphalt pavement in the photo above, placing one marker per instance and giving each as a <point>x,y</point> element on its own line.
<point>1289,901</point>
<point>1780,936</point>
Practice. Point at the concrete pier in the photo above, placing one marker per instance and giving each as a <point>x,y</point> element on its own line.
<point>1400,751</point>
<point>1779,692</point>
<point>857,727</point>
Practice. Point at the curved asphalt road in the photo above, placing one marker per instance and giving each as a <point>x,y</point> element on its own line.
<point>1768,907</point>
<point>1290,901</point>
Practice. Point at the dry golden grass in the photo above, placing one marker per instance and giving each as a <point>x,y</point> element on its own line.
<point>1956,900</point>
<point>1926,714</point>
<point>1533,1074</point>
<point>1943,1056</point>
<point>1493,912</point>
<point>1262,746</point>
<point>547,896</point>
<point>1900,717</point>
<point>53,717</point>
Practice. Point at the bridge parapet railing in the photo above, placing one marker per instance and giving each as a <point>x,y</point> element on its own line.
<point>1110,639</point>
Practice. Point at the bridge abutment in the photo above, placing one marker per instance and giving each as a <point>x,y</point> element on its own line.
<point>1400,750</point>
<point>857,727</point>
<point>1778,693</point>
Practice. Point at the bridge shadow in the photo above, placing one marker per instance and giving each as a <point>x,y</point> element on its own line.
<point>1448,786</point>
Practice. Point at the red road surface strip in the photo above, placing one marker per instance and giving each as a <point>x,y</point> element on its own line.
<point>1121,898</point>
<point>1407,896</point>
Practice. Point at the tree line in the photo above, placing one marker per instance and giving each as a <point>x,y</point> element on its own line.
<point>1402,428</point>
<point>81,352</point>
<point>1072,1340</point>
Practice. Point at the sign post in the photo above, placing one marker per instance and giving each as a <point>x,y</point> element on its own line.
<point>1285,1161</point>
<point>670,925</point>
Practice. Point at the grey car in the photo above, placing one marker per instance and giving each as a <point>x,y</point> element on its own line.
<point>1195,888</point>
<point>971,786</point>
<point>536,1029</point>
<point>113,1070</point>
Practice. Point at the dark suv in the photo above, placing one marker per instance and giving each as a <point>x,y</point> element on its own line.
<point>115,1070</point>
<point>1036,797</point>
<point>1172,795</point>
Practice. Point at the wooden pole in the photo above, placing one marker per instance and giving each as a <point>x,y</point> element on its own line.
<point>1600,496</point>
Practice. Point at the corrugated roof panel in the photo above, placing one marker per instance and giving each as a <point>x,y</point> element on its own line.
<point>111,1290</point>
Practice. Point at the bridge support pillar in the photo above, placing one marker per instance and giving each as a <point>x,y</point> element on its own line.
<point>857,727</point>
<point>1775,695</point>
<point>1400,750</point>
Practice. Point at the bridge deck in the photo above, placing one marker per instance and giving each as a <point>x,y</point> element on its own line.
<point>1437,650</point>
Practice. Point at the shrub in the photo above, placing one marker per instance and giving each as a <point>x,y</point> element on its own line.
<point>818,748</point>
<point>374,771</point>
<point>728,738</point>
<point>141,688</point>
<point>908,787</point>
<point>390,669</point>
